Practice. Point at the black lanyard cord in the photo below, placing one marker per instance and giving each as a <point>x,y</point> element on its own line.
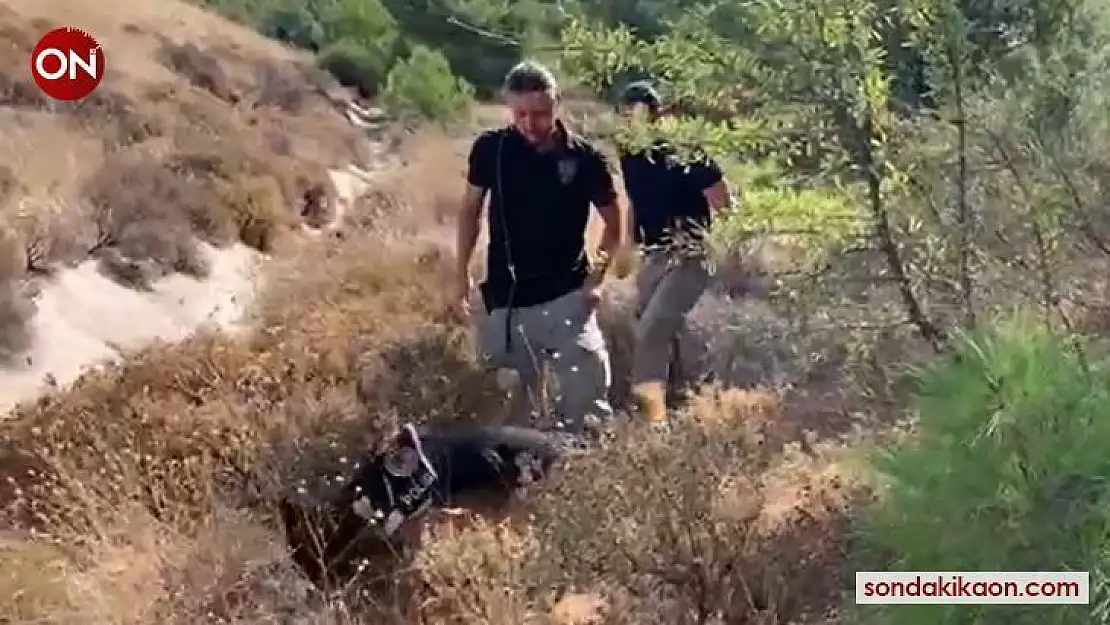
<point>502,216</point>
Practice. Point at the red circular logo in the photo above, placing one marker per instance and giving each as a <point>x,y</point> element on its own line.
<point>67,63</point>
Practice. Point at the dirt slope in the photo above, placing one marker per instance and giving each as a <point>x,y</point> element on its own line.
<point>202,149</point>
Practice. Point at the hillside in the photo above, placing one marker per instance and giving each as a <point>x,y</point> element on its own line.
<point>148,175</point>
<point>205,129</point>
<point>854,300</point>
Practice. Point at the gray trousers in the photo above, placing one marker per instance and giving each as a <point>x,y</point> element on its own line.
<point>668,285</point>
<point>562,334</point>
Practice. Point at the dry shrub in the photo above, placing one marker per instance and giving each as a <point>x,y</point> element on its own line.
<point>137,463</point>
<point>9,185</point>
<point>118,118</point>
<point>145,216</point>
<point>43,184</point>
<point>433,174</point>
<point>163,428</point>
<point>164,462</point>
<point>135,569</point>
<point>13,255</point>
<point>150,210</point>
<point>143,119</point>
<point>16,313</point>
<point>116,577</point>
<point>32,581</point>
<point>282,86</point>
<point>711,525</point>
<point>374,208</point>
<point>54,234</point>
<point>391,319</point>
<point>318,208</point>
<point>17,39</point>
<point>579,609</point>
<point>231,571</point>
<point>122,468</point>
<point>16,309</point>
<point>157,427</point>
<point>258,210</point>
<point>201,68</point>
<point>740,270</point>
<point>497,557</point>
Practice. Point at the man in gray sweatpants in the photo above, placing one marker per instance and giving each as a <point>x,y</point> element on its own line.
<point>672,206</point>
<point>540,294</point>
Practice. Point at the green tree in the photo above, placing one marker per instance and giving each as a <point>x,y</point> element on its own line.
<point>296,25</point>
<point>355,65</point>
<point>366,22</point>
<point>423,85</point>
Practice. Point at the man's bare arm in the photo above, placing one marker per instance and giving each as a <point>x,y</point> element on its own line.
<point>470,218</point>
<point>612,235</point>
<point>718,196</point>
<point>603,195</point>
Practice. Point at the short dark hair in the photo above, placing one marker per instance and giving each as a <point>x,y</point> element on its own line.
<point>641,92</point>
<point>530,77</point>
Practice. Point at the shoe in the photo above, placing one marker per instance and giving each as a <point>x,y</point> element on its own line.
<point>651,401</point>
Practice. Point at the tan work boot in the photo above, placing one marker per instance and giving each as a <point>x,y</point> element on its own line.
<point>651,401</point>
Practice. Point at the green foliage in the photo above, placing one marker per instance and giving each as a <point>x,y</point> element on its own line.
<point>356,40</point>
<point>1007,472</point>
<point>814,76</point>
<point>482,39</point>
<point>423,85</point>
<point>293,25</point>
<point>694,137</point>
<point>826,214</point>
<point>770,204</point>
<point>250,12</point>
<point>364,21</point>
<point>355,65</point>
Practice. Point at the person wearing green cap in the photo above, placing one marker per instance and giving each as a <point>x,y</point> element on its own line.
<point>672,205</point>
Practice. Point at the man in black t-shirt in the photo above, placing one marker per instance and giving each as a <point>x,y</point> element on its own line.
<point>672,201</point>
<point>540,292</point>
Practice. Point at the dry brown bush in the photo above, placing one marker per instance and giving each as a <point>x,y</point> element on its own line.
<point>711,525</point>
<point>141,169</point>
<point>180,158</point>
<point>165,463</point>
<point>201,69</point>
<point>16,312</point>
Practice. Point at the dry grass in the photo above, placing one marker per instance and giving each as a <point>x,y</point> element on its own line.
<point>143,493</point>
<point>148,484</point>
<point>201,129</point>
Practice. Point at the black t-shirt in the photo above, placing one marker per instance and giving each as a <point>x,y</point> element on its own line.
<point>667,195</point>
<point>538,209</point>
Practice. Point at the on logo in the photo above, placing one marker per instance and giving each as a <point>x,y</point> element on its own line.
<point>67,63</point>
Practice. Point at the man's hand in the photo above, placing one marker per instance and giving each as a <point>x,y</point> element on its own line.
<point>592,288</point>
<point>624,262</point>
<point>593,295</point>
<point>459,299</point>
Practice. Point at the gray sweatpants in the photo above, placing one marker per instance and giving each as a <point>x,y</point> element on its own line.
<point>667,287</point>
<point>563,334</point>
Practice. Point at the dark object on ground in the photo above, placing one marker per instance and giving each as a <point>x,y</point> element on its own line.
<point>472,467</point>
